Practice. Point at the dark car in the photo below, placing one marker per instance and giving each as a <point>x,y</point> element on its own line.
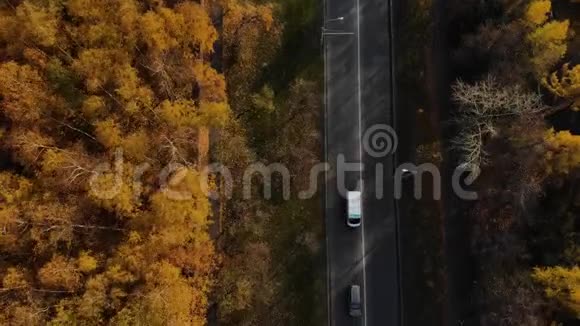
<point>354,304</point>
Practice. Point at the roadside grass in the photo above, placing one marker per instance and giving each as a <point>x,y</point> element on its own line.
<point>300,55</point>
<point>296,228</point>
<point>297,242</point>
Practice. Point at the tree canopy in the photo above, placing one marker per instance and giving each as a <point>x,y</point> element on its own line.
<point>96,99</point>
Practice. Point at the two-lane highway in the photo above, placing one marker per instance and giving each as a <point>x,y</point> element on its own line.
<point>358,88</point>
<point>346,259</point>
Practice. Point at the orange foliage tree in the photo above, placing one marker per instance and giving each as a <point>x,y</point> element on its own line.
<point>96,99</point>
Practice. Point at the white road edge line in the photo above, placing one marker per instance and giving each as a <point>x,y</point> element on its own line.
<point>328,274</point>
<point>330,316</point>
<point>359,102</point>
<point>338,33</point>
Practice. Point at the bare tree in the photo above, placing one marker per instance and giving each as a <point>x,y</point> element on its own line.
<point>483,108</point>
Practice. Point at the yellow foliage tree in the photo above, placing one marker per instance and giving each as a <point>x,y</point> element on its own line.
<point>212,85</point>
<point>178,113</point>
<point>187,25</point>
<point>136,145</point>
<point>99,66</point>
<point>14,279</point>
<point>18,314</point>
<point>566,84</point>
<point>33,23</point>
<point>154,32</point>
<point>50,223</point>
<point>65,168</point>
<point>113,189</point>
<point>13,188</point>
<point>562,284</point>
<point>94,300</point>
<point>548,44</point>
<point>94,107</point>
<point>24,93</point>
<point>135,96</point>
<point>60,273</point>
<point>214,115</point>
<point>27,144</point>
<point>80,79</point>
<point>166,299</point>
<point>104,23</point>
<point>538,11</point>
<point>108,133</point>
<point>199,30</point>
<point>563,151</point>
<point>186,114</point>
<point>181,187</point>
<point>86,262</point>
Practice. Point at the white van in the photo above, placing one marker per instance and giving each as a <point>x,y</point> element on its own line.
<point>353,209</point>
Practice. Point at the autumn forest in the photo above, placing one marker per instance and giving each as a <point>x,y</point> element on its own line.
<point>111,111</point>
<point>109,106</point>
<point>501,98</point>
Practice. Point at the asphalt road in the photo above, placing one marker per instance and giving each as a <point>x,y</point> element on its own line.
<point>358,97</point>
